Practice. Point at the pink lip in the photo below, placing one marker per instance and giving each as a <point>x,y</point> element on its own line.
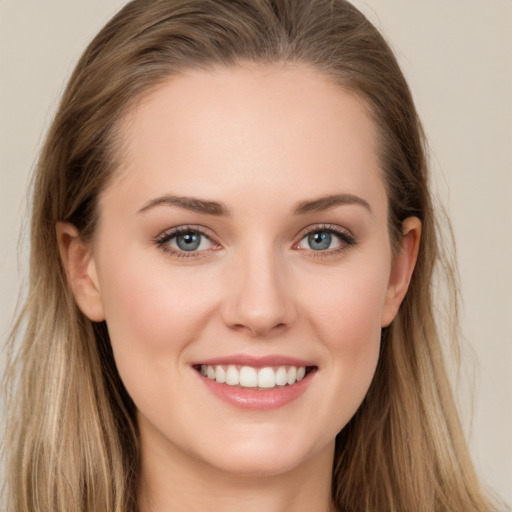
<point>254,399</point>
<point>255,361</point>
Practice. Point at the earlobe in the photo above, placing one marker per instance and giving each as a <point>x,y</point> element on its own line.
<point>80,266</point>
<point>402,268</point>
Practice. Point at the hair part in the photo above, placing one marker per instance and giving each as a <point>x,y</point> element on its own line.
<point>72,436</point>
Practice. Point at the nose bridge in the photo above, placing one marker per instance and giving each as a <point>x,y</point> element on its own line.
<point>259,300</point>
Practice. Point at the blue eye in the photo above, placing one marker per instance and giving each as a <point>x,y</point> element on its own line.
<point>188,241</point>
<point>319,241</point>
<point>185,241</point>
<point>326,239</point>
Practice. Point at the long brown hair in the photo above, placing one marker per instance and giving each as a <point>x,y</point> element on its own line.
<point>71,442</point>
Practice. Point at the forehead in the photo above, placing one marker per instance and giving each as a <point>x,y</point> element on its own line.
<point>205,132</point>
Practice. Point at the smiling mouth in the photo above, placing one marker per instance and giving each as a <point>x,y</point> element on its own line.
<point>248,377</point>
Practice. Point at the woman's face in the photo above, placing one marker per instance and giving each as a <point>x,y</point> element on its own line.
<point>245,237</point>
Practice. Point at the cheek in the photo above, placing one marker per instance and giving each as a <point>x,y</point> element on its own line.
<point>347,319</point>
<point>152,314</point>
<point>354,340</point>
<point>347,304</point>
<point>148,303</point>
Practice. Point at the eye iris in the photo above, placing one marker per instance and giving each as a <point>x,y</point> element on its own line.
<point>188,241</point>
<point>320,240</point>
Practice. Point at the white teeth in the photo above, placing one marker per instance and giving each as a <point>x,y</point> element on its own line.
<point>220,374</point>
<point>232,376</point>
<point>266,378</point>
<point>249,377</point>
<point>281,376</point>
<point>292,375</point>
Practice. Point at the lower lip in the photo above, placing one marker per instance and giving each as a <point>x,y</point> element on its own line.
<point>258,400</point>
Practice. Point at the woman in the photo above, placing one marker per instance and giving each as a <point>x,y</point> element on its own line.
<point>232,253</point>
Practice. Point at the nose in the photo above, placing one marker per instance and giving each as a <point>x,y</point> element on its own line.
<point>259,299</point>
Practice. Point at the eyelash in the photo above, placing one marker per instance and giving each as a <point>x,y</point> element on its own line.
<point>345,239</point>
<point>162,241</point>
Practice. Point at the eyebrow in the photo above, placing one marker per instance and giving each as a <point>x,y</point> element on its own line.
<point>327,202</point>
<point>188,203</point>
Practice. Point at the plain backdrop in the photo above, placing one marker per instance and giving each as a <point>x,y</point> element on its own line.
<point>457,56</point>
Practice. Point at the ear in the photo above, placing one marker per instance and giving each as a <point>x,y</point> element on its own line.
<point>401,269</point>
<point>78,261</point>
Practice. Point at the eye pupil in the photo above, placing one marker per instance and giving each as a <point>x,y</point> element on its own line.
<point>320,240</point>
<point>188,241</point>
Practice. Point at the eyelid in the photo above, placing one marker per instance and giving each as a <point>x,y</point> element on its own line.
<point>331,228</point>
<point>162,239</point>
<point>346,238</point>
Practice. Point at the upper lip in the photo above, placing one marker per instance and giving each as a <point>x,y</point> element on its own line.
<point>255,361</point>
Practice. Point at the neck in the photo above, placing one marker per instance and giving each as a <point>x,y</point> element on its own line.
<point>171,480</point>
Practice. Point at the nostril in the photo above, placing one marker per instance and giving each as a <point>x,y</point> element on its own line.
<point>259,329</point>
<point>258,301</point>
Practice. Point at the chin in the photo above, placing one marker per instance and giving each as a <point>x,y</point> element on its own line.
<point>263,455</point>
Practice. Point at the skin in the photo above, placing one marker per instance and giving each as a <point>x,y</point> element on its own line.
<point>261,141</point>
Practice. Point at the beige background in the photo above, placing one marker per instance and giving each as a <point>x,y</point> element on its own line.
<point>457,55</point>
